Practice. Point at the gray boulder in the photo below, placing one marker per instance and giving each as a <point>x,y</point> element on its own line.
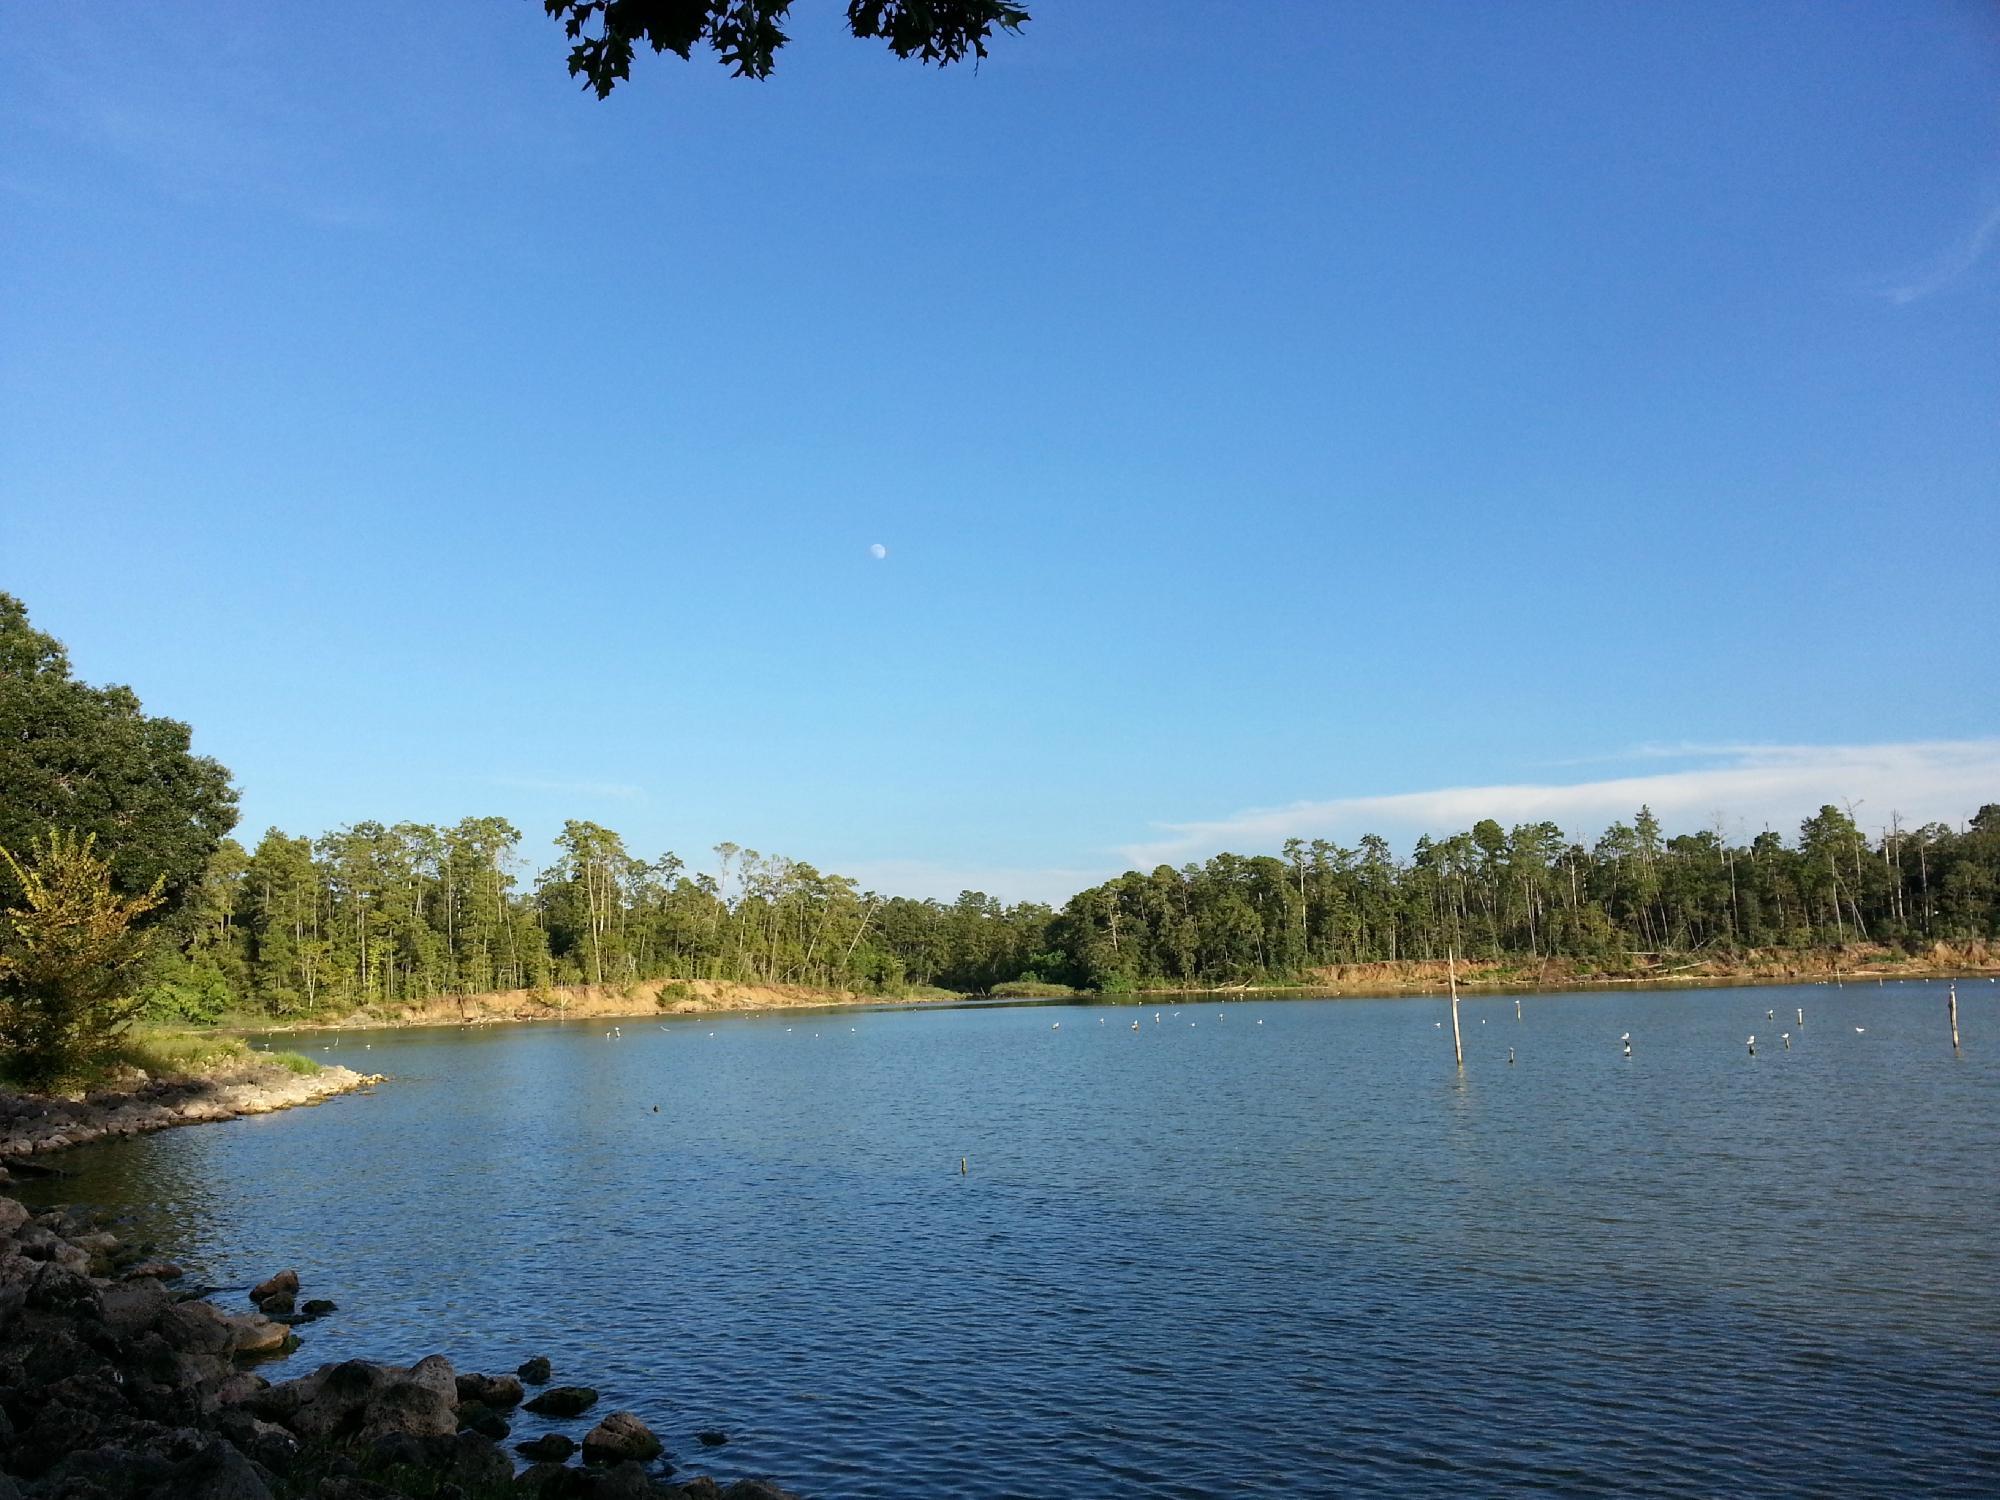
<point>619,1437</point>
<point>497,1391</point>
<point>285,1281</point>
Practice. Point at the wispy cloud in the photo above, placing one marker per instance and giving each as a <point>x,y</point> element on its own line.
<point>1950,268</point>
<point>595,790</point>
<point>1747,786</point>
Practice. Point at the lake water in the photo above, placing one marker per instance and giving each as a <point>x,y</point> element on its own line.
<point>1249,1249</point>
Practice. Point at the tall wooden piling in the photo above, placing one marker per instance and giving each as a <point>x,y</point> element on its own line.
<point>1951,1010</point>
<point>1451,972</point>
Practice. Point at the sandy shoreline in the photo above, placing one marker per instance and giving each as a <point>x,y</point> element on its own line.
<point>623,1002</point>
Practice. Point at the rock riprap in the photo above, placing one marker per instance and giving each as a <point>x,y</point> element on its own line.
<point>32,1123</point>
<point>113,1386</point>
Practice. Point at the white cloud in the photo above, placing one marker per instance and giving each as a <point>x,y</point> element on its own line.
<point>1952,266</point>
<point>1749,786</point>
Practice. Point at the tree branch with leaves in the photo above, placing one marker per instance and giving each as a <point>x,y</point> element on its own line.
<point>745,35</point>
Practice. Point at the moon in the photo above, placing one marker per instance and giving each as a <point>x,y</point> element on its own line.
<point>877,551</point>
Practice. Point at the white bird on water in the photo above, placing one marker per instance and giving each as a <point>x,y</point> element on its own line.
<point>1626,1038</point>
<point>1859,1029</point>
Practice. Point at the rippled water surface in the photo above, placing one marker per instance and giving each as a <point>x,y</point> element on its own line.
<point>1260,1248</point>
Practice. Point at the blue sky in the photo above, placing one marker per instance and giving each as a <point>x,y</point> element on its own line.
<point>1279,417</point>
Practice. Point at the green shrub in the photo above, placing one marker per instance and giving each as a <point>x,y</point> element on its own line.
<point>70,959</point>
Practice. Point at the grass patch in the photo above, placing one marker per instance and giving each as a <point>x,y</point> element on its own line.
<point>180,1052</point>
<point>1031,989</point>
<point>294,1062</point>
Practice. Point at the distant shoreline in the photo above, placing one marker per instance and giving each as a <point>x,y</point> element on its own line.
<point>638,1000</point>
<point>1408,978</point>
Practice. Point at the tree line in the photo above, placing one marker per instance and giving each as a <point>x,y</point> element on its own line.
<point>375,914</point>
<point>1532,892</point>
<point>379,914</point>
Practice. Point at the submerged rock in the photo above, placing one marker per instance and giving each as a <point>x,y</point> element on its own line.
<point>564,1401</point>
<point>535,1371</point>
<point>550,1447</point>
<point>476,1416</point>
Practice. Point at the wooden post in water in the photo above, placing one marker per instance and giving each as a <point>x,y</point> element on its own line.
<point>1457,1047</point>
<point>1951,1009</point>
<point>1517,1010</point>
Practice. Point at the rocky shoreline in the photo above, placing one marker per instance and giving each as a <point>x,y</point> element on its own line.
<point>32,1123</point>
<point>116,1386</point>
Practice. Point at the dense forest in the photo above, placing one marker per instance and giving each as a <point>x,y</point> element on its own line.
<point>377,914</point>
<point>374,914</point>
